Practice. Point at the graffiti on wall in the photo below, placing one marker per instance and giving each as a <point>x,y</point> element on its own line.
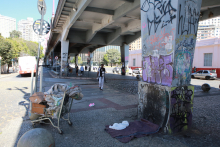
<point>161,13</point>
<point>158,69</point>
<point>181,108</point>
<point>153,105</point>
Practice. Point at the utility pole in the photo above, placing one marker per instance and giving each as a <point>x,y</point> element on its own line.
<point>42,10</point>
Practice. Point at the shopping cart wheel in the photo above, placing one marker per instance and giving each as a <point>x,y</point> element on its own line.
<point>70,123</point>
<point>60,131</point>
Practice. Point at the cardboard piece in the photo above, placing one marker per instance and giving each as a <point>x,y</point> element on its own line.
<point>38,108</point>
<point>37,97</point>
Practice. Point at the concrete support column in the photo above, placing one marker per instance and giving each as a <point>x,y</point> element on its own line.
<point>64,57</point>
<point>91,61</point>
<point>76,59</point>
<point>124,58</point>
<point>168,33</point>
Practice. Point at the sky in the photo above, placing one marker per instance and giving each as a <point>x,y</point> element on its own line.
<point>21,9</point>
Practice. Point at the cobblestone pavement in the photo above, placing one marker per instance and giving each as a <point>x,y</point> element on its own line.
<point>111,105</point>
<point>132,86</point>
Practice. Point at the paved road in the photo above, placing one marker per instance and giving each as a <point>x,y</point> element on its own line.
<point>111,105</point>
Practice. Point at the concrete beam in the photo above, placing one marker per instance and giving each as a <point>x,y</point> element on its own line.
<point>74,15</point>
<point>130,1</point>
<point>83,47</point>
<point>125,29</point>
<point>100,10</point>
<point>120,12</point>
<point>209,3</point>
<point>129,39</point>
<point>210,13</point>
<point>70,3</point>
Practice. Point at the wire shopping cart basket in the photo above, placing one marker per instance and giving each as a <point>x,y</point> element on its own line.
<point>64,108</point>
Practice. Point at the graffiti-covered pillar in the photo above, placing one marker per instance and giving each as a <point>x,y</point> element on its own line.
<point>64,57</point>
<point>124,57</point>
<point>169,29</point>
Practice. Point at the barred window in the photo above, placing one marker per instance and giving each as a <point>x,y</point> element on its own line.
<point>134,62</point>
<point>208,59</point>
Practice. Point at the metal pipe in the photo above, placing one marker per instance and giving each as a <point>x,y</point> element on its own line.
<point>41,78</point>
<point>38,55</point>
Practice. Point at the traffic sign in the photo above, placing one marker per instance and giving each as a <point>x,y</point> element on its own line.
<point>45,27</point>
<point>56,57</point>
<point>41,5</point>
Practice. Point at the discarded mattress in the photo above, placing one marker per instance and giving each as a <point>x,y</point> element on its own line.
<point>135,129</point>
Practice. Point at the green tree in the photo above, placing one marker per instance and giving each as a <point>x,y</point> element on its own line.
<point>15,34</point>
<point>73,60</point>
<point>105,59</point>
<point>6,51</point>
<point>113,56</point>
<point>79,60</point>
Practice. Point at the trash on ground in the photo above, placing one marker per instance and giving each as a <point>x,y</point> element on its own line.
<point>135,129</point>
<point>91,104</point>
<point>119,126</point>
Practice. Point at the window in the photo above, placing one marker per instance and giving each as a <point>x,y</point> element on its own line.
<point>199,71</point>
<point>134,62</point>
<point>208,59</point>
<point>205,71</point>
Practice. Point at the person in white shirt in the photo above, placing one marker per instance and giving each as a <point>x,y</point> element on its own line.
<point>101,76</point>
<point>82,69</point>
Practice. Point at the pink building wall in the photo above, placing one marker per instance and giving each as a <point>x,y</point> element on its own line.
<point>211,45</point>
<point>135,54</point>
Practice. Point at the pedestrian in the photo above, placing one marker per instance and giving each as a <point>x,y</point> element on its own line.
<point>67,67</point>
<point>77,69</point>
<point>194,69</point>
<point>101,76</point>
<point>86,68</point>
<point>82,70</point>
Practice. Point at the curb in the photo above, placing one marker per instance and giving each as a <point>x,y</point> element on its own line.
<point>84,78</point>
<point>8,75</point>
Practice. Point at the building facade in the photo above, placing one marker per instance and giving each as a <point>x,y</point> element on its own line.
<point>207,55</point>
<point>26,29</point>
<point>136,45</point>
<point>7,25</point>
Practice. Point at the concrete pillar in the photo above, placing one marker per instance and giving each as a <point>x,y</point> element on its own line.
<point>168,33</point>
<point>91,61</point>
<point>124,58</point>
<point>64,57</point>
<point>76,59</point>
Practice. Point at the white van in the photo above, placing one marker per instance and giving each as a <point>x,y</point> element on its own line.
<point>27,64</point>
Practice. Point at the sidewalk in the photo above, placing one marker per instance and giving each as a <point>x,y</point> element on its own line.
<point>111,106</point>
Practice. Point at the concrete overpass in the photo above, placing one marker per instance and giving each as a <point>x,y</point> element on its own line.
<point>81,26</point>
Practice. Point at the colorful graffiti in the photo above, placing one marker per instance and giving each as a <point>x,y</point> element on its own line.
<point>158,69</point>
<point>181,108</point>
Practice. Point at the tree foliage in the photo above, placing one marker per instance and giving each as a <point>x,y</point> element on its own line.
<point>105,59</point>
<point>15,34</point>
<point>5,51</point>
<point>113,56</point>
<point>79,60</point>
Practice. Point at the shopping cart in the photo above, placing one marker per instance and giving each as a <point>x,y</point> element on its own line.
<point>65,108</point>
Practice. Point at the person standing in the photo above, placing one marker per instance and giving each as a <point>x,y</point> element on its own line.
<point>194,69</point>
<point>86,68</point>
<point>77,69</point>
<point>101,76</point>
<point>82,70</point>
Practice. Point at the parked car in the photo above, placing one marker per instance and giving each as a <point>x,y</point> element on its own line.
<point>130,71</point>
<point>116,70</point>
<point>205,74</point>
<point>137,71</point>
